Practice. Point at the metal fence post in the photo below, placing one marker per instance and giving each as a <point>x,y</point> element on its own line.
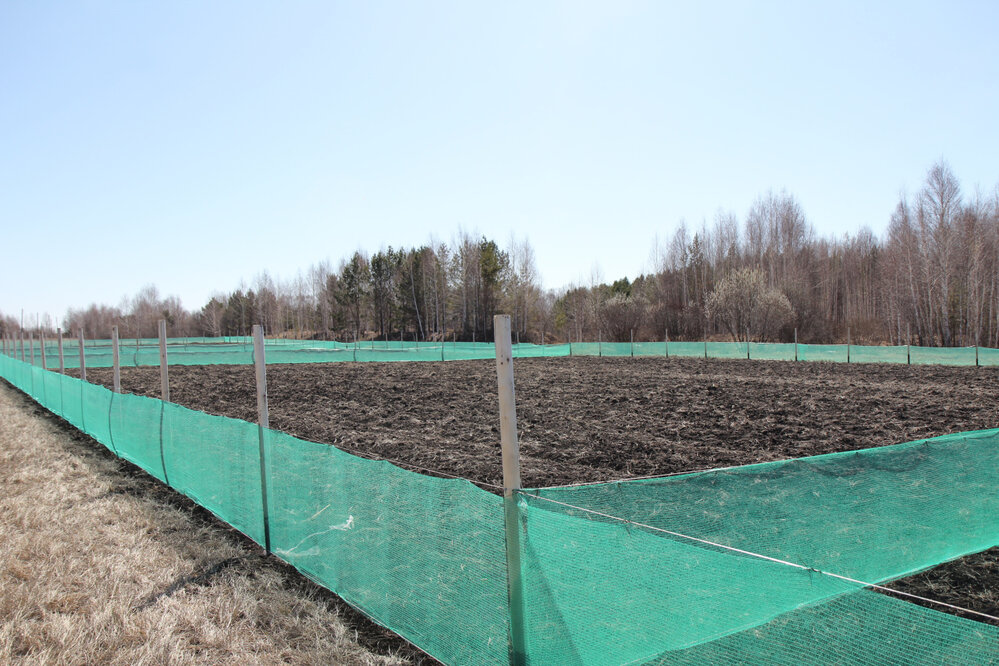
<point>511,485</point>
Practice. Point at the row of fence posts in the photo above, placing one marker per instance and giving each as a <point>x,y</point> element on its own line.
<point>14,346</point>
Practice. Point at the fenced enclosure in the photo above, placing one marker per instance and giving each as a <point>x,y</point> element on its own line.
<point>767,562</point>
<point>239,351</point>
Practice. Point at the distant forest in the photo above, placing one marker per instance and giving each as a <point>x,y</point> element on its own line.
<point>934,275</point>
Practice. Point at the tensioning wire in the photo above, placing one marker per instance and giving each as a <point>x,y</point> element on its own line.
<point>764,557</point>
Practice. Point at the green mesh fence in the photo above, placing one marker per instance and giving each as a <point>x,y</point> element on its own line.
<point>728,566</point>
<point>239,351</point>
<point>870,515</point>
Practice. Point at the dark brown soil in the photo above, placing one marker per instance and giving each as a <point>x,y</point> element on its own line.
<point>595,419</point>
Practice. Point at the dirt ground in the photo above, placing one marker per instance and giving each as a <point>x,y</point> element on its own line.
<point>595,419</point>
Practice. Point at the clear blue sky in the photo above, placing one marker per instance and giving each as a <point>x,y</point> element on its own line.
<point>192,144</point>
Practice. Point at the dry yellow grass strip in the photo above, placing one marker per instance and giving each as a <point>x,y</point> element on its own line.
<point>101,565</point>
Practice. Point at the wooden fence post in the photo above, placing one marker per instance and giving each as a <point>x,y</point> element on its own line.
<point>164,372</point>
<point>41,349</point>
<point>633,343</point>
<point>263,423</point>
<point>62,359</point>
<point>116,359</point>
<point>83,356</point>
<point>705,348</point>
<point>31,345</point>
<point>747,345</point>
<point>600,343</point>
<point>511,485</point>
<point>795,343</point>
<point>22,346</point>
<point>908,344</point>
<point>847,344</point>
<point>667,343</point>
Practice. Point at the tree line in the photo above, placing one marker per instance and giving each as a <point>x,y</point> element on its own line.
<point>933,275</point>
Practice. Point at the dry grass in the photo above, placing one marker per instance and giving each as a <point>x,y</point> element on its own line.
<point>100,564</point>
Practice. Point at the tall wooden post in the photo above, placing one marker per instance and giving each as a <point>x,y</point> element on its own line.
<point>83,356</point>
<point>22,346</point>
<point>62,359</point>
<point>116,359</point>
<point>667,343</point>
<point>263,423</point>
<point>41,349</point>
<point>847,344</point>
<point>908,344</point>
<point>795,343</point>
<point>164,372</point>
<point>511,485</point>
<point>747,344</point>
<point>31,345</point>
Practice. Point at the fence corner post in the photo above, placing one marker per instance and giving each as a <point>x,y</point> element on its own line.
<point>263,423</point>
<point>511,486</point>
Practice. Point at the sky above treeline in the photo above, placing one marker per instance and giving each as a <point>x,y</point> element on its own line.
<point>192,145</point>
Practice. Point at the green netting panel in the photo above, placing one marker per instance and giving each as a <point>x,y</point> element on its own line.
<point>944,355</point>
<point>832,353</point>
<point>687,349</point>
<point>422,556</point>
<point>767,351</point>
<point>858,628</point>
<point>607,592</point>
<point>97,413</point>
<point>988,356</point>
<point>216,462</point>
<point>52,392</point>
<point>72,400</point>
<point>650,349</point>
<point>874,514</point>
<point>135,427</point>
<point>866,354</point>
